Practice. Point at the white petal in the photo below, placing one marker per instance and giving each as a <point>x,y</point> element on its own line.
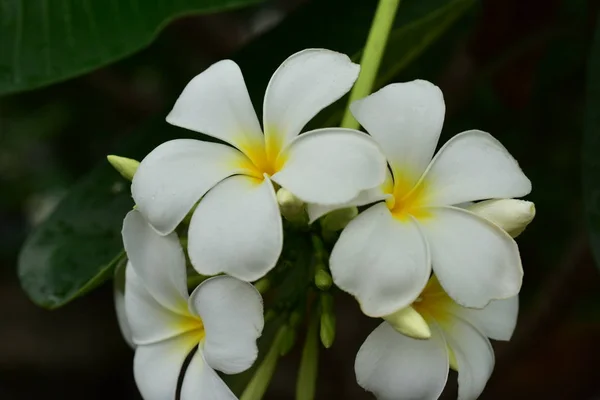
<point>316,211</point>
<point>151,322</point>
<point>406,120</point>
<point>381,261</point>
<point>331,166</point>
<point>474,166</point>
<point>216,103</point>
<point>303,85</point>
<point>497,320</point>
<point>202,382</point>
<point>176,174</point>
<point>158,261</point>
<point>232,313</point>
<point>119,298</point>
<point>394,366</point>
<point>474,356</point>
<point>474,260</point>
<point>237,229</point>
<point>156,367</point>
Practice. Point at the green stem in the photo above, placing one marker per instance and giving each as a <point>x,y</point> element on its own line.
<point>256,388</point>
<point>371,57</point>
<point>307,374</point>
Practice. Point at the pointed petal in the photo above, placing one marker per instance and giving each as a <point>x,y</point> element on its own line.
<point>316,211</point>
<point>232,313</point>
<point>474,260</point>
<point>176,174</point>
<point>496,321</point>
<point>381,261</point>
<point>237,229</point>
<point>151,322</point>
<point>202,382</point>
<point>158,261</point>
<point>474,356</point>
<point>331,166</point>
<point>216,103</point>
<point>406,120</point>
<point>119,299</point>
<point>156,367</point>
<point>303,85</point>
<point>474,166</point>
<point>394,366</point>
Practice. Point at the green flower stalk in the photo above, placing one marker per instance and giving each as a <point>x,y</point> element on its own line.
<point>309,364</point>
<point>371,57</point>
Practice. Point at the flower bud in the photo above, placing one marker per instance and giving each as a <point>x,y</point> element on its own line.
<point>292,208</point>
<point>322,279</point>
<point>288,341</point>
<point>125,166</point>
<point>409,322</point>
<point>327,331</point>
<point>262,285</point>
<point>512,215</point>
<point>338,219</point>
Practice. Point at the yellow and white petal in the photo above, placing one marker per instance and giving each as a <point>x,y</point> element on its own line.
<point>202,382</point>
<point>381,261</point>
<point>232,313</point>
<point>119,299</point>
<point>496,321</point>
<point>331,166</point>
<point>406,120</point>
<point>316,211</point>
<point>157,260</point>
<point>473,354</point>
<point>474,166</point>
<point>303,85</point>
<point>474,260</point>
<point>216,103</point>
<point>149,321</point>
<point>394,366</point>
<point>237,229</point>
<point>156,367</point>
<point>176,174</point>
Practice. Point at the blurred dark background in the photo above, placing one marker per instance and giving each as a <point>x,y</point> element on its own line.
<point>514,68</point>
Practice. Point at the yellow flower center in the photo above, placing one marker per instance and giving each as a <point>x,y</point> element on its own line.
<point>264,157</point>
<point>192,324</point>
<point>407,199</point>
<point>434,301</point>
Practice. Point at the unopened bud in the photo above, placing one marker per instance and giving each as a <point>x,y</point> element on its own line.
<point>409,322</point>
<point>322,279</point>
<point>512,215</point>
<point>288,341</point>
<point>292,208</point>
<point>262,285</point>
<point>338,219</point>
<point>125,166</point>
<point>327,331</point>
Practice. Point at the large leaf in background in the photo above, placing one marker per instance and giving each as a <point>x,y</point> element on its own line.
<point>44,41</point>
<point>75,248</point>
<point>591,146</point>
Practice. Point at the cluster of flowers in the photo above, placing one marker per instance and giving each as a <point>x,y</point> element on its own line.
<point>431,254</point>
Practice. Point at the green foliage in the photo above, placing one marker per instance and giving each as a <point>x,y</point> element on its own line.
<point>45,41</point>
<point>75,247</point>
<point>591,147</point>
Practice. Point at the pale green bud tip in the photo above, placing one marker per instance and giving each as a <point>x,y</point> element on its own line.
<point>327,331</point>
<point>262,285</point>
<point>338,219</point>
<point>323,279</point>
<point>409,322</point>
<point>512,215</point>
<point>292,208</point>
<point>125,166</point>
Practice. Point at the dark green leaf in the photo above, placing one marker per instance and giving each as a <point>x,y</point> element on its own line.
<point>45,41</point>
<point>74,249</point>
<point>591,147</point>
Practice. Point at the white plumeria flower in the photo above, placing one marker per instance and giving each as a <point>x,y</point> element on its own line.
<point>395,366</point>
<point>237,227</point>
<point>384,256</point>
<point>220,321</point>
